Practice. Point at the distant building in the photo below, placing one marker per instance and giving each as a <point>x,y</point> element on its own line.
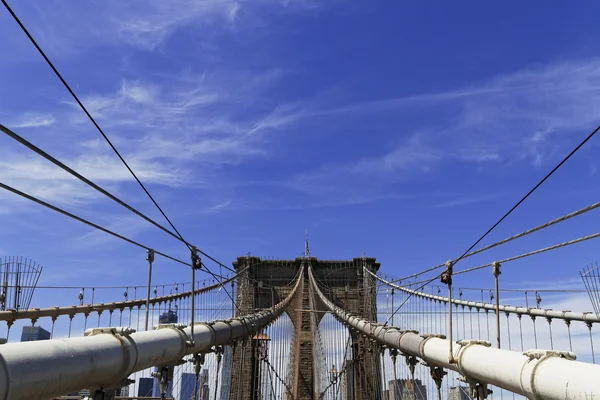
<point>188,382</point>
<point>31,333</point>
<point>145,386</point>
<point>458,393</point>
<point>404,389</point>
<point>226,373</point>
<point>123,392</point>
<point>204,392</point>
<point>168,317</point>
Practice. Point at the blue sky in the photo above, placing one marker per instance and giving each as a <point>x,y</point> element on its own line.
<point>401,130</point>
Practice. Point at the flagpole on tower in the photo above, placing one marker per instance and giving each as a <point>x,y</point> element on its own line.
<point>306,250</point>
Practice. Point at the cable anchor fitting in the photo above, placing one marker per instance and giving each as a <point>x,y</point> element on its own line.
<point>446,276</point>
<point>411,361</point>
<point>196,260</point>
<point>496,269</point>
<point>437,375</point>
<point>150,256</point>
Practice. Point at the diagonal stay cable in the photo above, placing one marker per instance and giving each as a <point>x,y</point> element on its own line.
<point>89,223</point>
<point>87,181</point>
<point>469,253</point>
<point>408,297</point>
<point>531,253</point>
<point>540,183</point>
<point>82,178</point>
<point>82,106</point>
<point>103,229</point>
<point>85,110</point>
<point>424,283</point>
<point>511,238</point>
<point>91,118</point>
<point>66,168</point>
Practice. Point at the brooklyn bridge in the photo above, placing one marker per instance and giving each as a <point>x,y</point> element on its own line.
<point>302,328</point>
<point>128,307</point>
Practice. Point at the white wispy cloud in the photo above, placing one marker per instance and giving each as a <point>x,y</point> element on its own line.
<point>147,24</point>
<point>33,120</point>
<point>217,207</point>
<point>165,130</point>
<point>41,179</point>
<point>463,201</point>
<point>518,117</point>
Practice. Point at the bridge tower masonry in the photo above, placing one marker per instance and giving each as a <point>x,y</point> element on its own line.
<point>266,282</point>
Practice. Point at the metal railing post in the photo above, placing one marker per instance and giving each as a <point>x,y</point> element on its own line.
<point>447,279</point>
<point>196,264</point>
<point>150,259</point>
<point>496,272</point>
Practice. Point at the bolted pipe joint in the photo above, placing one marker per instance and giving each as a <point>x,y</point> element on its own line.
<point>121,331</point>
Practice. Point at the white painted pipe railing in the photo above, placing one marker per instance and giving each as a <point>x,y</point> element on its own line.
<point>45,369</point>
<point>536,374</point>
<point>587,317</point>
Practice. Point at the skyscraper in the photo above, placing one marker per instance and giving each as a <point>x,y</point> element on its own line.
<point>225,377</point>
<point>188,381</point>
<point>31,333</point>
<point>405,389</point>
<point>458,393</point>
<point>168,317</point>
<point>145,386</point>
<point>203,386</point>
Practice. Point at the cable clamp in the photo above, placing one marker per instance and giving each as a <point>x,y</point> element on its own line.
<point>409,331</point>
<point>122,331</point>
<point>537,354</point>
<point>496,269</point>
<point>179,327</point>
<point>196,260</point>
<point>468,342</point>
<point>150,256</point>
<point>446,276</point>
<point>433,335</point>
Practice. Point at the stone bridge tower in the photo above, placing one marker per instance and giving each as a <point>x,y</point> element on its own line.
<point>266,282</point>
